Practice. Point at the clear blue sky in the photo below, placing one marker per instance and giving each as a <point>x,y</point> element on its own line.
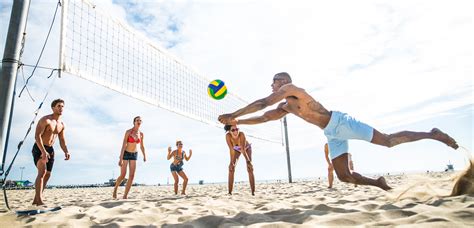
<point>394,65</point>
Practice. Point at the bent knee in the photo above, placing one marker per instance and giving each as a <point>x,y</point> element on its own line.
<point>345,178</point>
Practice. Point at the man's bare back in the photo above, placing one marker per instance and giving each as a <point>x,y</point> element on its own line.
<point>304,106</point>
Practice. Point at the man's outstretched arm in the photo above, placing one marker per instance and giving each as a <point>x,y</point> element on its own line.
<point>267,116</point>
<point>257,105</point>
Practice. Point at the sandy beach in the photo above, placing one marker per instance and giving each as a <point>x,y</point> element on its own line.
<point>304,203</point>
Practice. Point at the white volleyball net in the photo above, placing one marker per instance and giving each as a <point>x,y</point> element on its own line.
<point>104,50</point>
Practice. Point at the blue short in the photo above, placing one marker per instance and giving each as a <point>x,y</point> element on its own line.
<point>176,168</point>
<point>342,127</point>
<point>130,155</point>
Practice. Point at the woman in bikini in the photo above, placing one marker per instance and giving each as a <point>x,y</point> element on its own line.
<point>176,167</point>
<point>129,154</point>
<point>238,145</point>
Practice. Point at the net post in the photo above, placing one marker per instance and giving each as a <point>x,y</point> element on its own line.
<point>62,36</point>
<point>10,62</point>
<point>290,180</point>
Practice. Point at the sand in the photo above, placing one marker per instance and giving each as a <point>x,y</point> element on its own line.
<point>305,203</point>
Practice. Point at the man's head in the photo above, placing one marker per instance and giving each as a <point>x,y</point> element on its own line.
<point>279,80</point>
<point>57,106</point>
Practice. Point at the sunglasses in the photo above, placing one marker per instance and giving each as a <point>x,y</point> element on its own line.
<point>180,144</point>
<point>234,130</point>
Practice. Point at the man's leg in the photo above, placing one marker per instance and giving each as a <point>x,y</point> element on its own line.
<point>410,136</point>
<point>41,167</point>
<point>351,165</point>
<point>47,175</point>
<point>341,166</point>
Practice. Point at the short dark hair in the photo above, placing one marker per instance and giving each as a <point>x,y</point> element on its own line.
<point>227,127</point>
<point>55,102</point>
<point>284,75</point>
<point>179,142</point>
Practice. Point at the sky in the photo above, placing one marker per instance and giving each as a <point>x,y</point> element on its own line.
<point>395,65</point>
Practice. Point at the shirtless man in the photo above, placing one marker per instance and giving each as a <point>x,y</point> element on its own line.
<point>48,128</point>
<point>338,127</point>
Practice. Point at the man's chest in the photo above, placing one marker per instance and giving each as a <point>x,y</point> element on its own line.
<point>54,127</point>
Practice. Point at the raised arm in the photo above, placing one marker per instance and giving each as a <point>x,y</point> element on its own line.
<point>62,143</point>
<point>169,153</point>
<point>190,154</point>
<point>260,104</point>
<point>267,116</point>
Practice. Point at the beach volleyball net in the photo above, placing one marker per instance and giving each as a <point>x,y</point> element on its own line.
<point>100,48</point>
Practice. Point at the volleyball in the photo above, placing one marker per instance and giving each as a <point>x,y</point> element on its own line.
<point>217,89</point>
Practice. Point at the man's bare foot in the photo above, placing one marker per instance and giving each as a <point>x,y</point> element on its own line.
<point>38,203</point>
<point>329,186</point>
<point>182,193</point>
<point>383,184</point>
<point>114,195</point>
<point>125,197</point>
<point>444,138</point>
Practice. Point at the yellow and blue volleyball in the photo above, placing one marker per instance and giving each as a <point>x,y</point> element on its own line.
<point>217,89</point>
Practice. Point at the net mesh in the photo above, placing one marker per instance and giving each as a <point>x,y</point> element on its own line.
<point>100,48</point>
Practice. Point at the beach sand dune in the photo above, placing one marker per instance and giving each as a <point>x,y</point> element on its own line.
<point>417,200</point>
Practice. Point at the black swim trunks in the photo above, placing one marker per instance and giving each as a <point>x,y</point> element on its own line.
<point>37,156</point>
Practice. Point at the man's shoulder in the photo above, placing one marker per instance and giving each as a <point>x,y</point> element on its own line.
<point>292,90</point>
<point>289,86</point>
<point>46,118</point>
